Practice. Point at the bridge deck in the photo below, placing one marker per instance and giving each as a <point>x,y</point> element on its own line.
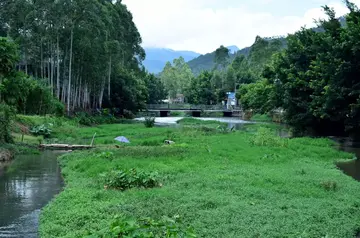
<point>192,110</point>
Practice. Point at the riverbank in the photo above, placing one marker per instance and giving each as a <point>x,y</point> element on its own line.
<point>221,183</point>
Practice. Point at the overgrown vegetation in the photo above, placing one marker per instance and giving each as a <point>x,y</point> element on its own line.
<point>313,78</point>
<point>265,137</point>
<point>42,130</point>
<point>123,180</point>
<point>87,54</point>
<point>6,114</point>
<point>166,227</point>
<point>149,122</point>
<point>261,118</point>
<point>259,177</point>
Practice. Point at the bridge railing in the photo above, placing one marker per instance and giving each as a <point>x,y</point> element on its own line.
<point>189,107</point>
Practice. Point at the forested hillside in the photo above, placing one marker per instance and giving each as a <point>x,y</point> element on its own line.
<point>156,58</point>
<point>206,62</point>
<point>86,52</point>
<point>315,80</point>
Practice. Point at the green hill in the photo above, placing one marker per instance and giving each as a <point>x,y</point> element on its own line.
<point>206,62</point>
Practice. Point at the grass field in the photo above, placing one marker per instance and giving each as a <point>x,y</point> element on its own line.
<point>239,184</point>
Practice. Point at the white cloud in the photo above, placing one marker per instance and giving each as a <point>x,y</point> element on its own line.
<point>203,25</point>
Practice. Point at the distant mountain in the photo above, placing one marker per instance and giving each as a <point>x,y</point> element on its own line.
<point>156,58</point>
<point>206,62</point>
<point>233,49</point>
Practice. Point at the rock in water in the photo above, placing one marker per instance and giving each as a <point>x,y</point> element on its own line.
<point>5,155</point>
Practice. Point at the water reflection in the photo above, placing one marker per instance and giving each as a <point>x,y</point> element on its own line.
<point>26,186</point>
<point>351,168</point>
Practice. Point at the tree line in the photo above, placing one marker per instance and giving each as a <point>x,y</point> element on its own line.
<point>87,53</point>
<point>311,75</point>
<point>227,75</point>
<point>315,79</point>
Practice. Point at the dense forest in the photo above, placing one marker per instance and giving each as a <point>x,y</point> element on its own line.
<point>312,75</point>
<point>228,71</point>
<point>85,54</point>
<point>315,80</point>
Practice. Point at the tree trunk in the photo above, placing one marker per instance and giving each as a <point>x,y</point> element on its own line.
<point>41,60</point>
<point>52,70</point>
<point>58,69</point>
<point>70,65</point>
<point>79,95</point>
<point>102,93</point>
<point>109,79</point>
<point>49,66</point>
<point>26,66</point>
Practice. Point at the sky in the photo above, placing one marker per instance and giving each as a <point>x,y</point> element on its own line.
<point>204,25</point>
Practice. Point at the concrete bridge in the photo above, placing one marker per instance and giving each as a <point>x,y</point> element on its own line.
<point>195,110</point>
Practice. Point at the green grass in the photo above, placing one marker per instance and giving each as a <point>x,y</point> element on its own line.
<point>261,117</point>
<point>224,185</point>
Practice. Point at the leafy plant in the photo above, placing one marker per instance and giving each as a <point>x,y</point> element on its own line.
<point>329,185</point>
<point>6,114</point>
<point>265,137</point>
<point>149,122</point>
<point>42,130</point>
<point>127,179</point>
<point>106,155</point>
<point>224,129</point>
<point>146,227</point>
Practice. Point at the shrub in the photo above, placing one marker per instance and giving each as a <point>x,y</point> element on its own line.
<point>224,129</point>
<point>265,137</point>
<point>42,130</point>
<point>59,108</point>
<point>87,119</point>
<point>106,155</point>
<point>128,114</point>
<point>149,122</point>
<point>6,115</point>
<point>329,185</point>
<point>123,180</point>
<point>147,227</point>
<point>261,117</point>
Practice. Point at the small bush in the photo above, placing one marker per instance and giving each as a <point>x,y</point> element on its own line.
<point>266,137</point>
<point>147,227</point>
<point>149,122</point>
<point>59,108</point>
<point>128,114</point>
<point>329,185</point>
<point>6,115</point>
<point>42,130</point>
<point>224,129</point>
<point>87,119</point>
<point>106,155</point>
<point>261,117</point>
<point>123,180</point>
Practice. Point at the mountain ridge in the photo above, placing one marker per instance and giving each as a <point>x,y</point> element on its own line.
<point>156,58</point>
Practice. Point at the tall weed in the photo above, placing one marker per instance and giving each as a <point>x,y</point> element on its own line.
<point>127,179</point>
<point>146,227</point>
<point>266,137</point>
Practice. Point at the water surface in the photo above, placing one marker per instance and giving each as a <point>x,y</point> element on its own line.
<point>26,185</point>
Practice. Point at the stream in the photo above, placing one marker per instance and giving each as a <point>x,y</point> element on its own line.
<point>27,184</point>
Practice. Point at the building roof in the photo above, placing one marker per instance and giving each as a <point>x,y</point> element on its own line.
<point>231,95</point>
